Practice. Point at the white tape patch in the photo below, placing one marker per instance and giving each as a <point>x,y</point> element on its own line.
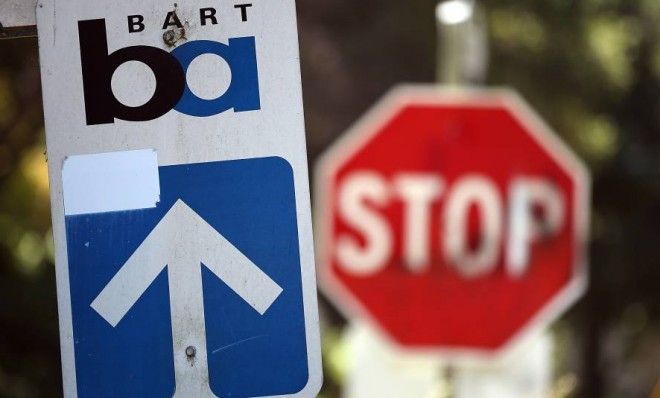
<point>115,181</point>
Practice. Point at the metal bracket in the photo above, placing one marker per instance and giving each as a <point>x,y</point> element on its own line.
<point>16,32</point>
<point>18,19</point>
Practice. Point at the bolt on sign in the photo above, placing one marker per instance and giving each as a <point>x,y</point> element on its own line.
<point>180,199</point>
<point>454,220</point>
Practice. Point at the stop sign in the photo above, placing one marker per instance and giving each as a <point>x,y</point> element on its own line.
<point>454,221</point>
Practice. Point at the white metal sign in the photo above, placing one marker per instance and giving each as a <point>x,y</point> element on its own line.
<point>180,202</point>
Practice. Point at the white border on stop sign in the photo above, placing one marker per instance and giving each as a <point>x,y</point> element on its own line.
<point>359,135</point>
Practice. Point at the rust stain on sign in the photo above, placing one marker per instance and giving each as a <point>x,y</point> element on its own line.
<point>176,34</point>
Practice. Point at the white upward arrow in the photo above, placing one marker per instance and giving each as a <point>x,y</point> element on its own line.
<point>182,240</point>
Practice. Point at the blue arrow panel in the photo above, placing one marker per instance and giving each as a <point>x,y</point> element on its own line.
<point>250,202</point>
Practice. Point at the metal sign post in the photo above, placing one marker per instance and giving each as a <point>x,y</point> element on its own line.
<point>462,55</point>
<point>462,59</point>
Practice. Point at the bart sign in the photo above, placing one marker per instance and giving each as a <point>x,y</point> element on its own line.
<point>180,199</point>
<point>454,221</point>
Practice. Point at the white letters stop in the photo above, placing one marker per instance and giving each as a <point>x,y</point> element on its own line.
<point>507,220</point>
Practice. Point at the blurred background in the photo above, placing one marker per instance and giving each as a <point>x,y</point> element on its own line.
<point>591,68</point>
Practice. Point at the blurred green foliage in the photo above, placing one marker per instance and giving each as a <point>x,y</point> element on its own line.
<point>591,68</point>
<point>29,348</point>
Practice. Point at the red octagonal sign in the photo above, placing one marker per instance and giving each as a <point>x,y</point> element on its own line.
<point>454,221</point>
